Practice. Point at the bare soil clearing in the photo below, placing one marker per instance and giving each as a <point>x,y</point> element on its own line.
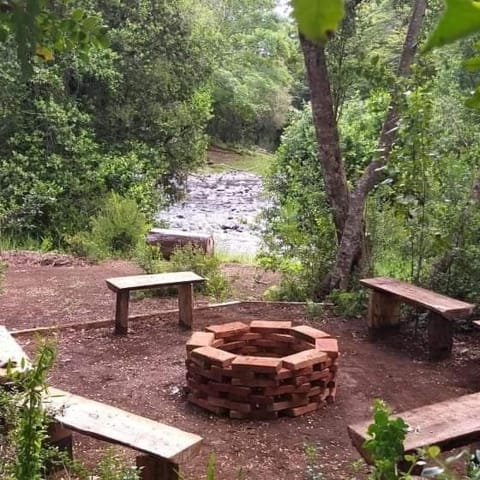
<point>144,372</point>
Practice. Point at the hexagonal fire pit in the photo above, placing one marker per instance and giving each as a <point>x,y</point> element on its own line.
<point>261,370</point>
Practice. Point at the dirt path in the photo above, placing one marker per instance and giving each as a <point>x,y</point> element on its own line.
<point>144,372</point>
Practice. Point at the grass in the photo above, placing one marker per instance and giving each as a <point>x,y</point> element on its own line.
<point>240,258</point>
<point>8,242</point>
<point>222,160</point>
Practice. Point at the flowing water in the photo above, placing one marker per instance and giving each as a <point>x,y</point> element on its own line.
<point>223,204</point>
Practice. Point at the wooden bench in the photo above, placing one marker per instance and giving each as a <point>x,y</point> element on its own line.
<point>448,424</point>
<point>384,311</point>
<point>123,285</point>
<point>162,448</point>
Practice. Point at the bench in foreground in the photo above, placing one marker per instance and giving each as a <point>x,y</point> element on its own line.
<point>162,447</point>
<point>123,285</point>
<point>449,424</point>
<point>384,311</point>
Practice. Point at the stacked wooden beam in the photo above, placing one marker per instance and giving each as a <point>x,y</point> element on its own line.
<point>261,370</point>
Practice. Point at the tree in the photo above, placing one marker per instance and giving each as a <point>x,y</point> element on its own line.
<point>348,204</point>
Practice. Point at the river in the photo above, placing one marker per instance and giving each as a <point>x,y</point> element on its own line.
<point>225,205</point>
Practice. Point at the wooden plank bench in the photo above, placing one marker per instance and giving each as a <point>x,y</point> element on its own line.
<point>162,448</point>
<point>449,424</point>
<point>123,285</point>
<point>384,311</point>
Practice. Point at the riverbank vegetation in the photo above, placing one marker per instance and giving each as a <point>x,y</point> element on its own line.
<point>377,157</point>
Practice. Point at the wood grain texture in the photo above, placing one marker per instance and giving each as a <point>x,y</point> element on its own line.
<point>138,282</point>
<point>383,309</point>
<point>185,305</point>
<point>445,306</point>
<point>114,425</point>
<point>447,424</point>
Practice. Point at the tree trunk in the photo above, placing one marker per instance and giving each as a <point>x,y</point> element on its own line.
<point>351,238</point>
<point>331,161</point>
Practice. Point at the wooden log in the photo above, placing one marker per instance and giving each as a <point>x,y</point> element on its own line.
<point>169,240</point>
<point>155,468</point>
<point>383,311</point>
<point>440,336</point>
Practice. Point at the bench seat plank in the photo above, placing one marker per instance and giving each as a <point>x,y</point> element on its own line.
<point>447,424</point>
<point>137,282</point>
<point>445,306</point>
<point>11,351</point>
<point>114,425</point>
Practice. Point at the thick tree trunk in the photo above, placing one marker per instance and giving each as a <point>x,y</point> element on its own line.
<point>333,170</point>
<point>352,233</point>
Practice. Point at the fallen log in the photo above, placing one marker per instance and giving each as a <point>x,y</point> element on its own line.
<point>169,240</point>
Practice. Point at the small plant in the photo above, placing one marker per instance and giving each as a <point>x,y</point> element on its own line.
<point>188,258</point>
<point>314,310</point>
<point>349,304</point>
<point>112,467</point>
<point>26,433</point>
<point>386,443</point>
<point>312,472</point>
<point>115,231</point>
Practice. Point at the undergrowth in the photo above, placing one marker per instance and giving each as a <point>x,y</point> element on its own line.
<point>116,231</point>
<point>187,258</point>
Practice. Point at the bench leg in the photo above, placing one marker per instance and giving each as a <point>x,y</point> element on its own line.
<point>383,311</point>
<point>154,468</point>
<point>440,337</point>
<point>121,313</point>
<point>61,438</point>
<point>185,305</point>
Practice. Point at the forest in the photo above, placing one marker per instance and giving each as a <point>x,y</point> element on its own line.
<point>361,119</point>
<point>376,145</point>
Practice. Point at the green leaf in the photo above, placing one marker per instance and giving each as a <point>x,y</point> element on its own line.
<point>433,451</point>
<point>318,19</point>
<point>472,64</point>
<point>78,14</point>
<point>460,19</point>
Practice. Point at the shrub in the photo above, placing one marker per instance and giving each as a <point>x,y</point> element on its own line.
<point>187,258</point>
<point>349,304</point>
<point>115,231</point>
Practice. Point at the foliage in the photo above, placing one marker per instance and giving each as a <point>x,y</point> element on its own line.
<point>312,472</point>
<point>130,120</point>
<point>115,231</point>
<point>386,443</point>
<point>40,29</point>
<point>26,431</point>
<point>255,58</point>
<point>298,231</point>
<point>349,304</point>
<point>318,19</point>
<point>111,467</point>
<point>460,19</point>
<point>187,258</point>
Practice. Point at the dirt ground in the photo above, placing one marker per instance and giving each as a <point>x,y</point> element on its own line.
<point>144,372</point>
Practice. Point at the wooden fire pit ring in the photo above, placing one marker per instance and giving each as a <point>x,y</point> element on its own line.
<point>262,370</point>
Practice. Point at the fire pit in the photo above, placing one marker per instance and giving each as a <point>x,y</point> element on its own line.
<point>261,370</point>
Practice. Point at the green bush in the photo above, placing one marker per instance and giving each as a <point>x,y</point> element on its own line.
<point>349,304</point>
<point>116,230</point>
<point>187,258</point>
